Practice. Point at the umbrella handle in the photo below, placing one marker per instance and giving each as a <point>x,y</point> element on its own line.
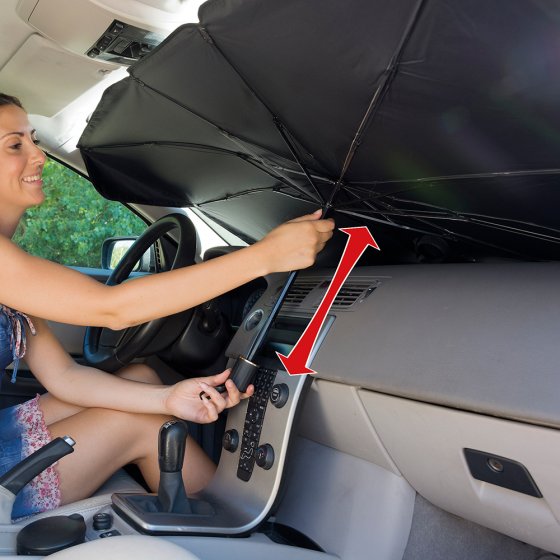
<point>243,374</point>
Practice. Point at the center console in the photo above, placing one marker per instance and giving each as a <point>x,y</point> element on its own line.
<point>256,441</point>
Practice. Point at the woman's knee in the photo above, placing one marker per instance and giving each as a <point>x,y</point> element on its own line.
<point>105,441</point>
<point>141,373</point>
<point>55,410</point>
<point>134,435</point>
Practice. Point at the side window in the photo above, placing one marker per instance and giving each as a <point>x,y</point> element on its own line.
<point>73,221</point>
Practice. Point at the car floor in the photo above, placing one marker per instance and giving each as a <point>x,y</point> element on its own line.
<point>438,535</point>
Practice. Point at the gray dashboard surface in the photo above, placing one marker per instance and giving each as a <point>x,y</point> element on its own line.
<point>478,337</point>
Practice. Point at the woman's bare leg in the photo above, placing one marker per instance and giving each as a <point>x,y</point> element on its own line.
<point>107,440</point>
<point>112,439</point>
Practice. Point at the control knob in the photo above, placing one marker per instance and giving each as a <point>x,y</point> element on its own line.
<point>279,395</point>
<point>265,456</point>
<point>102,521</point>
<point>230,441</point>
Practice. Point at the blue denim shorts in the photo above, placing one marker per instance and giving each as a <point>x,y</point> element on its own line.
<point>6,354</point>
<point>23,431</point>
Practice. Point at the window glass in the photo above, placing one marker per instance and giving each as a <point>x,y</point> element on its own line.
<point>71,224</point>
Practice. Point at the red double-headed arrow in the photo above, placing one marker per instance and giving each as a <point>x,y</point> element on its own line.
<point>358,241</point>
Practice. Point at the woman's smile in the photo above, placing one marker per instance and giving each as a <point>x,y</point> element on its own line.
<point>33,179</point>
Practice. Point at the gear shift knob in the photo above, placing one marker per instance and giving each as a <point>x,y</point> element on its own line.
<point>171,451</point>
<point>172,443</point>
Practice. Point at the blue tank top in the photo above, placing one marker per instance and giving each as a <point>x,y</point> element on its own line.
<point>13,342</point>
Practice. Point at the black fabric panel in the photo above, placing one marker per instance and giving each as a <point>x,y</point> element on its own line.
<point>463,87</point>
<point>477,92</point>
<point>130,113</point>
<point>316,63</point>
<point>165,155</point>
<point>158,181</point>
<point>196,76</point>
<point>257,213</point>
<point>513,198</point>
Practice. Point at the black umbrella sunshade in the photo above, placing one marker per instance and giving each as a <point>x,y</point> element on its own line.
<point>428,119</point>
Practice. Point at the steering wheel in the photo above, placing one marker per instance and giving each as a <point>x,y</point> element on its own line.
<point>110,350</point>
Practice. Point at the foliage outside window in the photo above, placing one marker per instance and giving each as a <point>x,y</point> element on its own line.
<point>73,221</point>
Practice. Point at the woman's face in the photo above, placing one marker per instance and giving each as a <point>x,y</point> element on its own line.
<point>21,161</point>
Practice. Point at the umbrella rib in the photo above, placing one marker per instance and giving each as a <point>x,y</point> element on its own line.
<point>484,221</point>
<point>279,170</point>
<point>385,221</point>
<point>321,178</point>
<point>481,219</point>
<point>283,132</point>
<point>464,176</point>
<point>280,126</point>
<point>366,203</point>
<point>259,163</point>
<point>378,95</point>
<point>440,228</point>
<point>280,178</point>
<point>247,192</point>
<point>237,140</point>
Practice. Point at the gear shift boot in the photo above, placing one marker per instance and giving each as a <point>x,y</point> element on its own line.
<point>172,497</point>
<point>170,507</point>
<point>171,493</point>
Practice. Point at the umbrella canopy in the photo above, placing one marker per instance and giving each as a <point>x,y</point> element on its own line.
<point>435,122</point>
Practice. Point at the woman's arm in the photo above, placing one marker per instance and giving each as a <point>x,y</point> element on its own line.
<point>54,292</point>
<point>90,387</point>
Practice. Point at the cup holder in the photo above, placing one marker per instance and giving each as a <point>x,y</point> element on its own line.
<point>51,534</point>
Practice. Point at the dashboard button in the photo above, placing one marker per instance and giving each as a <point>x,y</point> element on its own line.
<point>230,441</point>
<point>265,456</point>
<point>254,319</point>
<point>279,395</point>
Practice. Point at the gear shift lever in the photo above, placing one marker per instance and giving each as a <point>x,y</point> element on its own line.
<point>172,497</point>
<point>170,510</point>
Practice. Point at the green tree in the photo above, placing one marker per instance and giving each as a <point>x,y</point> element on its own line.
<point>71,224</point>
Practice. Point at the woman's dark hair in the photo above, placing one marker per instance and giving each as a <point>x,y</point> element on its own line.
<point>6,99</point>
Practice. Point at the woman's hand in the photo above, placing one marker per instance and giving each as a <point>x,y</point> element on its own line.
<point>295,244</point>
<point>183,400</point>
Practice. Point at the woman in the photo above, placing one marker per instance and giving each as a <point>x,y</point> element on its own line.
<point>114,419</point>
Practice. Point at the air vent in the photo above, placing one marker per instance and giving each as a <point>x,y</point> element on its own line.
<point>158,254</point>
<point>299,291</point>
<point>309,293</point>
<point>351,293</point>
